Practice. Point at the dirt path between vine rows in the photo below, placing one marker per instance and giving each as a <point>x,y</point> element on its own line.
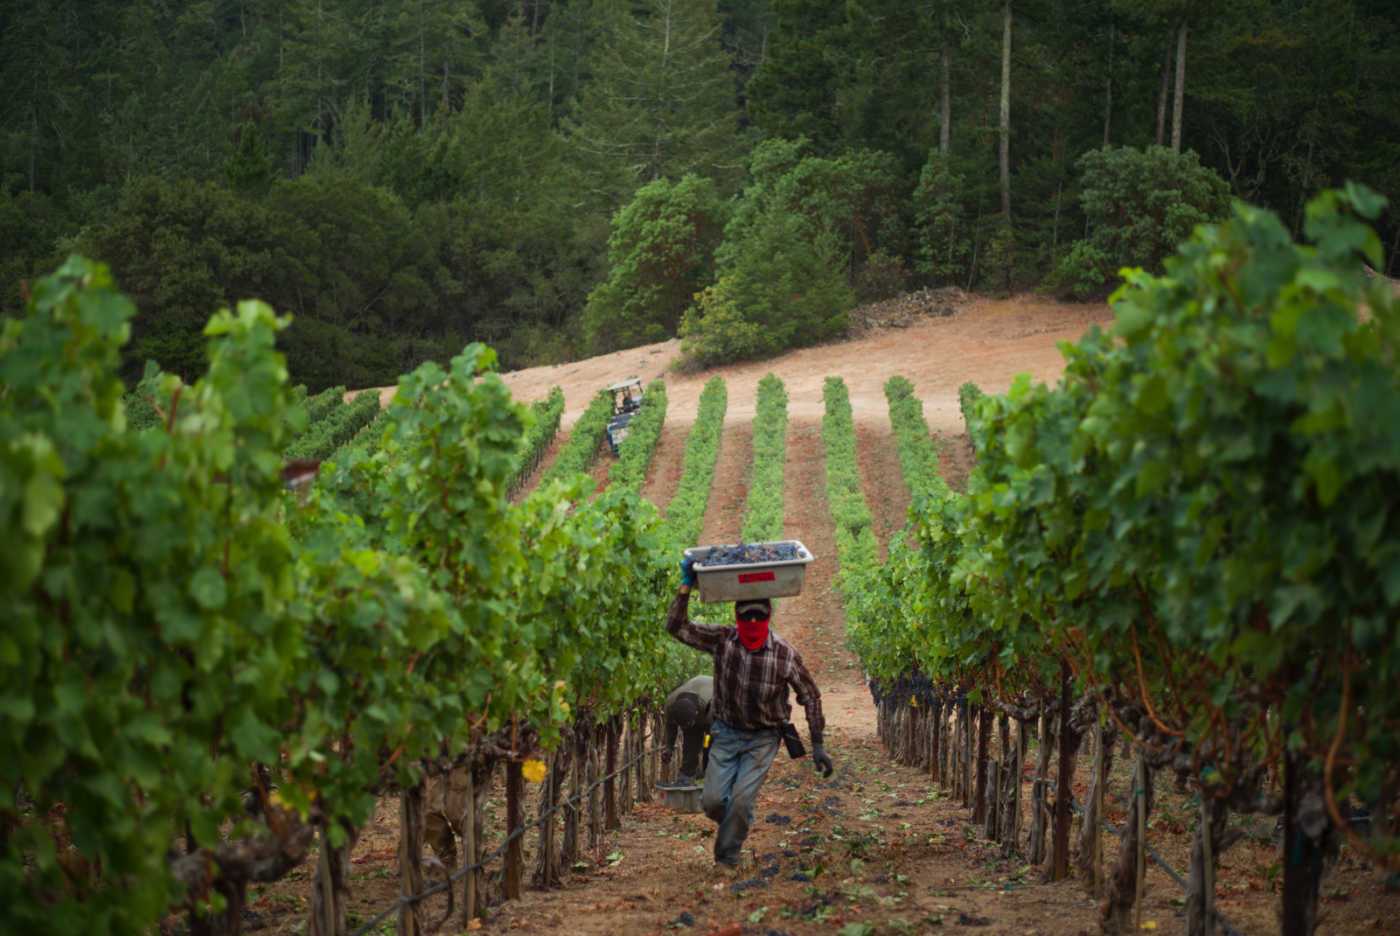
<point>729,492</point>
<point>881,477</point>
<point>667,463</point>
<point>550,454</point>
<point>875,844</point>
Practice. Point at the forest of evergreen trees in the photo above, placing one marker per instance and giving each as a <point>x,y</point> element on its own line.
<point>559,177</point>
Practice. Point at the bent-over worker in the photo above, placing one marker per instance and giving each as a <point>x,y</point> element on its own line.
<point>688,713</point>
<point>754,668</point>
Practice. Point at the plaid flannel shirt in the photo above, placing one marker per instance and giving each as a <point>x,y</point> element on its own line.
<point>751,688</point>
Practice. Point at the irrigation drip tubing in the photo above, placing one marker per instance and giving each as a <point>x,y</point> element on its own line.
<point>515,833</point>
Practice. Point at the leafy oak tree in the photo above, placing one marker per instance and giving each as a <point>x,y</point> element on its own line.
<point>660,254</point>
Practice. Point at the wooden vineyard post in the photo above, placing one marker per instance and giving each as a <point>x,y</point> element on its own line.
<point>595,827</point>
<point>960,764</point>
<point>471,826</point>
<point>954,746</point>
<point>1098,820</point>
<point>910,756</point>
<point>1094,819</point>
<point>935,716</point>
<point>1118,906</point>
<point>568,853</point>
<point>1039,788</point>
<point>959,729</point>
<point>984,738</point>
<point>547,866</point>
<point>902,744</point>
<point>992,777</point>
<point>1207,868</point>
<point>545,831</point>
<point>896,726</point>
<point>964,760</point>
<point>1141,877</point>
<point>410,858</point>
<point>1003,781</point>
<point>634,793</point>
<point>901,724</point>
<point>624,732</point>
<point>945,744</point>
<point>1011,836</point>
<point>515,816</point>
<point>921,736</point>
<point>1302,871</point>
<point>1210,841</point>
<point>962,756</point>
<point>654,736</point>
<point>969,759</point>
<point>634,748</point>
<point>643,792</point>
<point>330,892</point>
<point>658,731</point>
<point>611,820</point>
<point>1064,781</point>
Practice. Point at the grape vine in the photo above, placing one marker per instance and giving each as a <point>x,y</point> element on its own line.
<point>1195,528</point>
<point>546,415</point>
<point>584,442</point>
<point>763,513</point>
<point>178,633</point>
<point>856,548</point>
<point>643,432</point>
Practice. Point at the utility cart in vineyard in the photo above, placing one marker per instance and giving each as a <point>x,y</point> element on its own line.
<point>741,571</point>
<point>627,399</point>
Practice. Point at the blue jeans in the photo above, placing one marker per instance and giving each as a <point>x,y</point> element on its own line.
<point>739,760</point>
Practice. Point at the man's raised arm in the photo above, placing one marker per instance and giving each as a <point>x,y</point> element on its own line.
<point>678,623</point>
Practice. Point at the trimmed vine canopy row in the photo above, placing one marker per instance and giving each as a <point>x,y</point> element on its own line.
<point>1197,528</point>
<point>174,617</point>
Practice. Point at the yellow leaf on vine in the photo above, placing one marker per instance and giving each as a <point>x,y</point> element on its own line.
<point>534,770</point>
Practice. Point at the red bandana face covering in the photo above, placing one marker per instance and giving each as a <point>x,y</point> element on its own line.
<point>752,634</point>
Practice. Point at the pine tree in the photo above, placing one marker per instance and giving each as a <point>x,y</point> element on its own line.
<point>433,53</point>
<point>794,91</point>
<point>661,100</point>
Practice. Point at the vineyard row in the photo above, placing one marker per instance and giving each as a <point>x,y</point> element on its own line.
<point>191,655</point>
<point>1192,541</point>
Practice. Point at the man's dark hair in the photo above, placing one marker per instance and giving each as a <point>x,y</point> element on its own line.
<point>685,710</point>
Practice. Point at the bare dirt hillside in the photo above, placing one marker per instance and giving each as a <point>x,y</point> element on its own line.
<point>987,341</point>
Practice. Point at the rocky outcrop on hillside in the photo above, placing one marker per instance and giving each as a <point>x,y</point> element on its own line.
<point>904,310</point>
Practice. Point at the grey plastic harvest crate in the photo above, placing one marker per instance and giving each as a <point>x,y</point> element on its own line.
<point>742,581</point>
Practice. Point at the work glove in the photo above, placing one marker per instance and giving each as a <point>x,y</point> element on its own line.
<point>822,760</point>
<point>688,571</point>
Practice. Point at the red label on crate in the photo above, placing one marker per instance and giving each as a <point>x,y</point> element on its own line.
<point>747,577</point>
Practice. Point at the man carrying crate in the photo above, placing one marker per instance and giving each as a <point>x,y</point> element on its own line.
<point>753,670</point>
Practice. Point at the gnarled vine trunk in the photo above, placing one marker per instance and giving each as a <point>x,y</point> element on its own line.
<point>1305,831</point>
<point>1122,885</point>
